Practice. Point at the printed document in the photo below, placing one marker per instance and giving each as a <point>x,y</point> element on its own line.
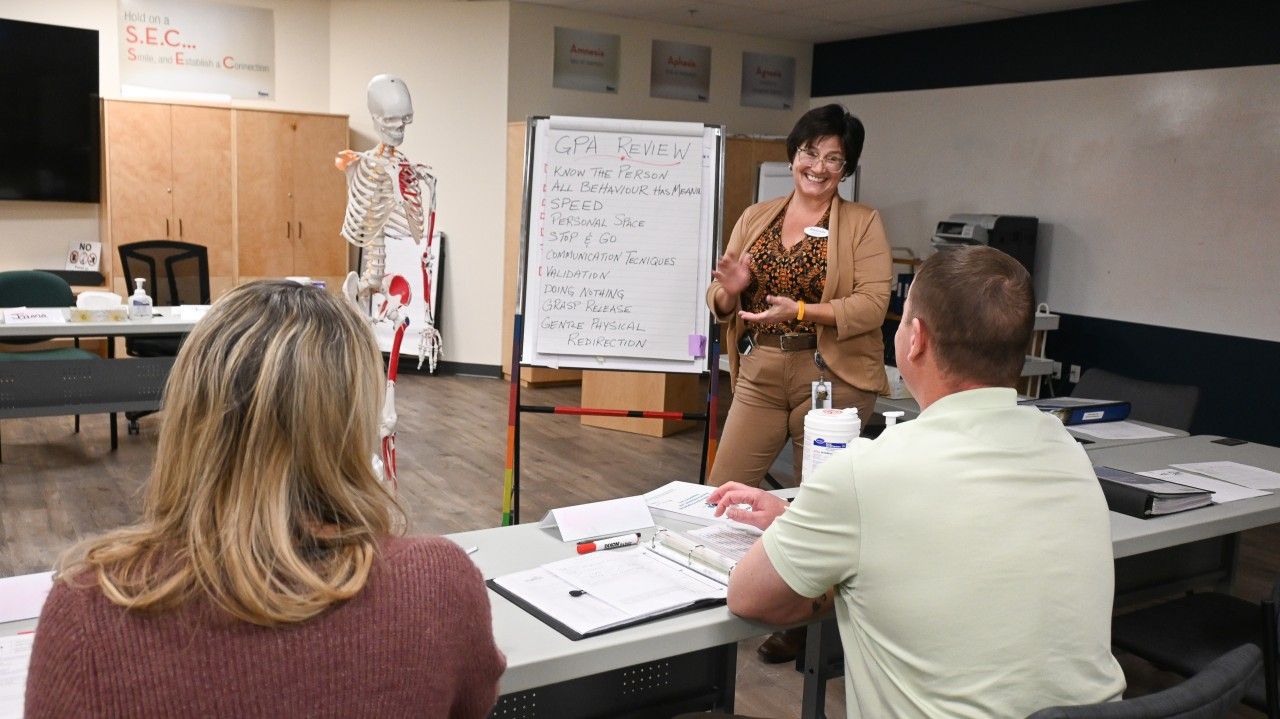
<point>1122,429</point>
<point>596,592</point>
<point>1235,473</point>
<point>1222,491</point>
<point>15,657</point>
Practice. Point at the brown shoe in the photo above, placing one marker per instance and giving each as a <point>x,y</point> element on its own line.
<point>782,646</point>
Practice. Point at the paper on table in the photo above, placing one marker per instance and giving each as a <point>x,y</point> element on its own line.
<point>544,590</point>
<point>192,312</point>
<point>636,581</point>
<point>15,657</point>
<point>21,597</point>
<point>1222,491</point>
<point>687,502</point>
<point>33,315</point>
<point>599,519</point>
<point>1119,430</point>
<point>1242,474</point>
<point>732,542</point>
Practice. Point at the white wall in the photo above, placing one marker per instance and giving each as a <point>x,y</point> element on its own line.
<point>1158,194</point>
<point>532,59</point>
<point>453,57</point>
<point>36,234</point>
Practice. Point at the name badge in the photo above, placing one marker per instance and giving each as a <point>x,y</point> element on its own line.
<point>817,231</point>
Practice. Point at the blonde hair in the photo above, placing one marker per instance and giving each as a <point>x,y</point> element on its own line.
<point>263,497</point>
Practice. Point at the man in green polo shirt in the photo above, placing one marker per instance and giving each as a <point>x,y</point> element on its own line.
<point>967,552</point>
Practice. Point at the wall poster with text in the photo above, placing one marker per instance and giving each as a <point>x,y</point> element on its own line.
<point>198,47</point>
<point>680,71</point>
<point>768,81</point>
<point>586,60</point>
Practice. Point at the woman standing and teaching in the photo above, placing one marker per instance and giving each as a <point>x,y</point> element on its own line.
<point>804,282</point>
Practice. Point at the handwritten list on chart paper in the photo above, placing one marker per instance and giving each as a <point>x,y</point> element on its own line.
<point>617,221</point>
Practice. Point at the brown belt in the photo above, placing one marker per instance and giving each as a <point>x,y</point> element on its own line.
<point>790,342</point>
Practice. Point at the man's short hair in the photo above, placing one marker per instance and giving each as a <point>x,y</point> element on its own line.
<point>979,308</point>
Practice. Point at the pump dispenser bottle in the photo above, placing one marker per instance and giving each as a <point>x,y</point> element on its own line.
<point>139,302</point>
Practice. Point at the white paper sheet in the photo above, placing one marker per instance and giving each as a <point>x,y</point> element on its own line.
<point>1222,491</point>
<point>1242,474</point>
<point>636,580</point>
<point>33,316</point>
<point>1119,430</point>
<point>732,542</point>
<point>15,657</point>
<point>21,597</point>
<point>687,502</point>
<point>599,519</point>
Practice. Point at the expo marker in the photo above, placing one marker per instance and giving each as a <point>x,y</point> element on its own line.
<point>624,540</point>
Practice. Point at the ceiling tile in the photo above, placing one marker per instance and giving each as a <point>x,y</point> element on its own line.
<point>1031,7</point>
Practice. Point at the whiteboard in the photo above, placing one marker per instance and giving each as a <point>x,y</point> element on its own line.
<point>620,224</point>
<point>1156,193</point>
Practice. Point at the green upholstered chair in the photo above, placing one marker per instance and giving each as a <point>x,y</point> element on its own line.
<point>33,288</point>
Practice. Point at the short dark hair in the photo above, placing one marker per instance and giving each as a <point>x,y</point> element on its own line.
<point>829,120</point>
<point>978,306</point>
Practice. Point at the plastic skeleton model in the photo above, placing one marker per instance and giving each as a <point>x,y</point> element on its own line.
<point>385,201</point>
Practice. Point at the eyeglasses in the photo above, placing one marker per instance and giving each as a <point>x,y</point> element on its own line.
<point>834,163</point>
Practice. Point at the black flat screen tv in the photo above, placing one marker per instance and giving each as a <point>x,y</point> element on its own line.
<point>50,146</point>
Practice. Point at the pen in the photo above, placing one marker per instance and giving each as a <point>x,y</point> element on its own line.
<point>622,540</point>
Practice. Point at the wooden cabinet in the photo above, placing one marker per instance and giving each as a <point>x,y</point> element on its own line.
<point>289,196</point>
<point>257,188</point>
<point>168,176</point>
<point>742,158</point>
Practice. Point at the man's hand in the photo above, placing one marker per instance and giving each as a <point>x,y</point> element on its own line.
<point>764,507</point>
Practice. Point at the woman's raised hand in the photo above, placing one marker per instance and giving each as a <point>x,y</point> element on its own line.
<point>733,273</point>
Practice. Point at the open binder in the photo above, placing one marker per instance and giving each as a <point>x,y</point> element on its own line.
<point>669,573</point>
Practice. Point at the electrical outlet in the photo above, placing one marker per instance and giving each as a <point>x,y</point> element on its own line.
<point>1075,373</point>
<point>1057,370</point>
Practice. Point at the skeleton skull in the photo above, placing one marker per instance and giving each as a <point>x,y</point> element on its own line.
<point>391,108</point>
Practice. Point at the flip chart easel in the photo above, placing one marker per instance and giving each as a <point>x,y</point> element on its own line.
<point>617,244</point>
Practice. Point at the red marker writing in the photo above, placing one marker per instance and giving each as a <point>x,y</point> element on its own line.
<point>622,540</point>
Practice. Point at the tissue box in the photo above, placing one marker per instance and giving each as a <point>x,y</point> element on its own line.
<point>110,314</point>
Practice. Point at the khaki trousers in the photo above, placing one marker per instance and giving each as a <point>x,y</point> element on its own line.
<point>770,400</point>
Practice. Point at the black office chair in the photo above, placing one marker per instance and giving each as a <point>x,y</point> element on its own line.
<point>177,273</point>
<point>1210,694</point>
<point>34,288</point>
<point>1172,405</point>
<point>1184,635</point>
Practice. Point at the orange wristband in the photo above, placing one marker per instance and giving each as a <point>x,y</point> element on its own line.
<point>799,310</point>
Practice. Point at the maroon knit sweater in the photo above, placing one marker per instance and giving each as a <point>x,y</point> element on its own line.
<point>416,641</point>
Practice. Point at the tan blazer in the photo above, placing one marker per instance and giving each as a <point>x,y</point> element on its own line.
<point>857,286</point>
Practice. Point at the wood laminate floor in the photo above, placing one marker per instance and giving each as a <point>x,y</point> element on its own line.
<point>57,487</point>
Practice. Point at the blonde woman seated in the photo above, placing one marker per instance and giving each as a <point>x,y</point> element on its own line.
<point>265,578</point>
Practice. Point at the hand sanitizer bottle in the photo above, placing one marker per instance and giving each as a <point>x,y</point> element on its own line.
<point>139,302</point>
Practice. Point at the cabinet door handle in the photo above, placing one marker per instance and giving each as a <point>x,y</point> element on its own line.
<point>288,230</point>
<point>166,227</point>
<point>179,227</point>
<point>299,229</point>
